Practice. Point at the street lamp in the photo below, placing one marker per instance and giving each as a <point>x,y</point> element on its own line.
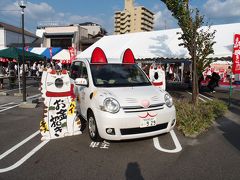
<point>22,4</point>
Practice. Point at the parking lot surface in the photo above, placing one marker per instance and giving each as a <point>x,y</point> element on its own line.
<point>213,155</point>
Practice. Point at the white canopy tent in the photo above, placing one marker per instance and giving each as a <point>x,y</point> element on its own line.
<point>161,44</point>
<point>38,50</point>
<point>63,56</point>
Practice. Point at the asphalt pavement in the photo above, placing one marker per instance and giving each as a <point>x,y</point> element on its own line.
<point>213,155</point>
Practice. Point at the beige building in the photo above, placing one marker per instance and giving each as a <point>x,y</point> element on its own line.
<point>79,36</point>
<point>133,19</point>
<point>64,36</point>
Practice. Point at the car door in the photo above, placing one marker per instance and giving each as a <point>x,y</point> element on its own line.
<point>79,70</point>
<point>84,91</point>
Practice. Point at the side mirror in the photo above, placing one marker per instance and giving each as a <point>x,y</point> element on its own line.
<point>81,82</point>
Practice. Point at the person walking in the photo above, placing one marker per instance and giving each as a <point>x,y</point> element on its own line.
<point>213,82</point>
<point>34,69</point>
<point>11,75</point>
<point>2,74</point>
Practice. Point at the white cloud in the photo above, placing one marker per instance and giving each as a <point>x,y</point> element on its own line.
<point>38,13</point>
<point>156,7</point>
<point>222,8</point>
<point>164,20</point>
<point>33,12</point>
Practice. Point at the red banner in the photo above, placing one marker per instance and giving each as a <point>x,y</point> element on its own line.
<point>50,52</point>
<point>3,60</point>
<point>236,55</point>
<point>72,53</point>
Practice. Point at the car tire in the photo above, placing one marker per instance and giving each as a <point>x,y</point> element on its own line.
<point>92,128</point>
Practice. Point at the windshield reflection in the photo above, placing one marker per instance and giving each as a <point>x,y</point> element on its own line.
<point>118,75</point>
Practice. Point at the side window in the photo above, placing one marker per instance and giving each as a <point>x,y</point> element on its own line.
<point>75,70</point>
<point>84,73</point>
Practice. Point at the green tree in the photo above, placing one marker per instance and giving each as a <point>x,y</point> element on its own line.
<point>199,41</point>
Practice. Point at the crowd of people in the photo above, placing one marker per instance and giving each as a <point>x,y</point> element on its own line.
<point>173,72</point>
<point>12,70</point>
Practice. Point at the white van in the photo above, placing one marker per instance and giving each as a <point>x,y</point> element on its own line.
<point>118,100</point>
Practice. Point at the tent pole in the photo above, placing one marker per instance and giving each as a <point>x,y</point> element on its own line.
<point>182,68</point>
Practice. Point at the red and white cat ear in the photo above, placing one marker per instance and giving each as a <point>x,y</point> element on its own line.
<point>98,56</point>
<point>128,57</point>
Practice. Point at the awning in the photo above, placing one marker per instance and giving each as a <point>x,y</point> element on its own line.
<point>45,51</point>
<point>63,56</point>
<point>161,44</point>
<point>16,53</point>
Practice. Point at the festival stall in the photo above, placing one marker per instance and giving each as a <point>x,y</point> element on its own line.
<point>65,56</point>
<point>162,47</point>
<point>47,52</point>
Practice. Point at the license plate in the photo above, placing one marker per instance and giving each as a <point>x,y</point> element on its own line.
<point>147,122</point>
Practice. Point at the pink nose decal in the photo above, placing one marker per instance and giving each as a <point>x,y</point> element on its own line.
<point>145,103</point>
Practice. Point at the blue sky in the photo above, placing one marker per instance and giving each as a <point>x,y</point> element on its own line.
<point>102,12</point>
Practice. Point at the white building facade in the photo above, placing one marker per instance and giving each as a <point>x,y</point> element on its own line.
<point>10,35</point>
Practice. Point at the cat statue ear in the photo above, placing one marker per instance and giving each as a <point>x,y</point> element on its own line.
<point>128,57</point>
<point>98,56</point>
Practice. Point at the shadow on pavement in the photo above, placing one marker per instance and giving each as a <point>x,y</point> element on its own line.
<point>231,131</point>
<point>234,103</point>
<point>133,172</point>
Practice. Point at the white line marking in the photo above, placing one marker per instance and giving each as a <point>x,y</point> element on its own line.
<point>3,105</point>
<point>9,108</point>
<point>16,89</point>
<point>26,157</point>
<point>198,97</point>
<point>33,96</point>
<point>206,97</point>
<point>19,144</point>
<point>178,146</point>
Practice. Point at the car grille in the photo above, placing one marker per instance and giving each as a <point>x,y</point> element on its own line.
<point>130,131</point>
<point>133,109</point>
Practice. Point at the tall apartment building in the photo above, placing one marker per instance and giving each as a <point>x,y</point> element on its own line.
<point>133,19</point>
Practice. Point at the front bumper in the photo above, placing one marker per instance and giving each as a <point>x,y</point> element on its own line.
<point>127,125</point>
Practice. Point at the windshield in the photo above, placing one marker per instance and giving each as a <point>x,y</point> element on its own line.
<point>118,75</point>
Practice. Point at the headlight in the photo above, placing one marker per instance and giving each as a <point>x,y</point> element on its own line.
<point>168,100</point>
<point>111,105</point>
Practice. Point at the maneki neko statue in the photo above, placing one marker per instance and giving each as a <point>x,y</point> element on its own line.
<point>60,116</point>
<point>157,76</point>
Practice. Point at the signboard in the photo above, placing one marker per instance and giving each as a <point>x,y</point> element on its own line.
<point>50,52</point>
<point>236,54</point>
<point>72,54</point>
<point>60,118</point>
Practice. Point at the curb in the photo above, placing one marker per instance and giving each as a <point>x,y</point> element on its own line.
<point>27,105</point>
<point>3,94</point>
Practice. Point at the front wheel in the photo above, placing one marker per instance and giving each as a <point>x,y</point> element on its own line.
<point>92,128</point>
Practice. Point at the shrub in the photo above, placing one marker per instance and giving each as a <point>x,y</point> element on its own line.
<point>219,107</point>
<point>193,121</point>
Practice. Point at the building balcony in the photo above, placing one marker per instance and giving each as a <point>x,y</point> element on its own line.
<point>126,21</point>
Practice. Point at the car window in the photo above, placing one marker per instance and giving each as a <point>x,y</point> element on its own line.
<point>84,73</point>
<point>118,75</point>
<point>75,70</point>
<point>78,70</point>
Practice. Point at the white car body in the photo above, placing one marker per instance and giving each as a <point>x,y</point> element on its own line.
<point>142,109</point>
